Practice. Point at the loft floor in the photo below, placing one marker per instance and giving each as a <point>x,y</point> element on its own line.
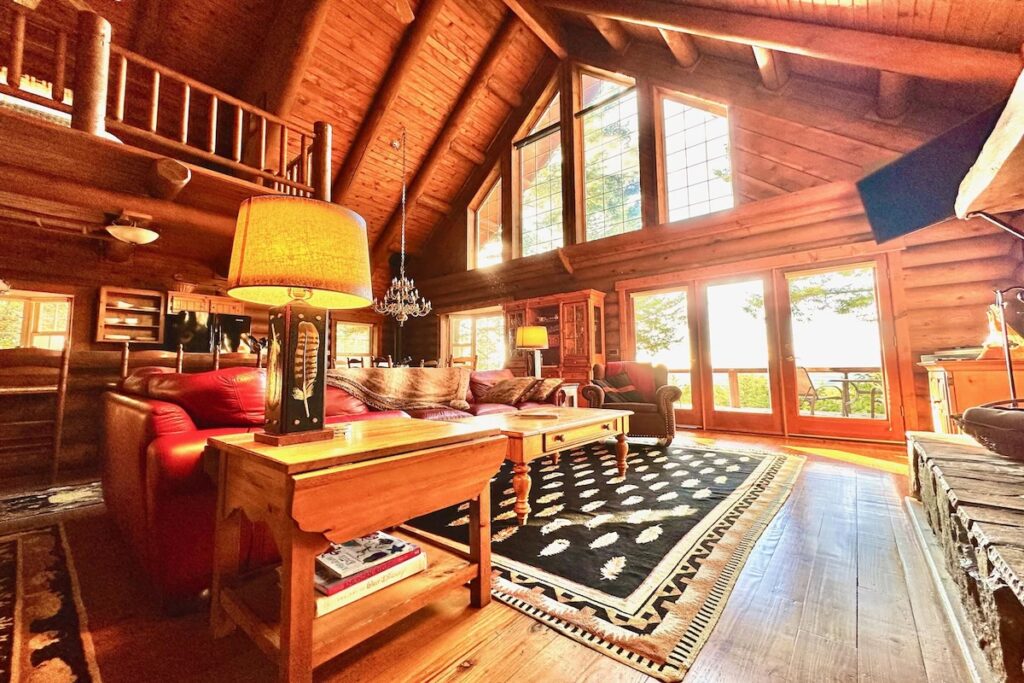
<point>836,590</point>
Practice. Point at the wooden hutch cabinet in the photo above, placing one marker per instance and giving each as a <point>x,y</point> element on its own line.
<point>575,323</point>
<point>204,303</point>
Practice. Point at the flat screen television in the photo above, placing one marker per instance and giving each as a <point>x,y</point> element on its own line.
<point>192,330</point>
<point>920,188</point>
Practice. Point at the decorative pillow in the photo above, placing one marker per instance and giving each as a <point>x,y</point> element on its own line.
<point>544,389</point>
<point>619,389</point>
<point>509,391</point>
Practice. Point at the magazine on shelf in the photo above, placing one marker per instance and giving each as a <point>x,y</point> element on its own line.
<point>404,569</point>
<point>355,556</point>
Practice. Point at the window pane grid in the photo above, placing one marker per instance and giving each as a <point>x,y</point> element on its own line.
<point>540,172</point>
<point>698,171</point>
<point>612,169</point>
<point>488,228</point>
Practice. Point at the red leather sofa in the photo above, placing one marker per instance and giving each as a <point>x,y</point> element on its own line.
<point>155,429</point>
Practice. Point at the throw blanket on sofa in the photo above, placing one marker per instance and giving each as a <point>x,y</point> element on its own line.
<point>404,388</point>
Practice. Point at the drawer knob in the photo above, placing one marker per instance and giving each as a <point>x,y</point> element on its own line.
<point>559,437</point>
<point>606,427</point>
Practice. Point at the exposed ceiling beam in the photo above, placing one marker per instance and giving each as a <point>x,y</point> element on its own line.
<point>910,56</point>
<point>682,46</point>
<point>401,64</point>
<point>894,91</point>
<point>613,32</point>
<point>773,67</point>
<point>543,25</point>
<point>274,80</point>
<point>476,84</point>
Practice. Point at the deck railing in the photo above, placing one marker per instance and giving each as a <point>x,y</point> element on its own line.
<point>155,107</point>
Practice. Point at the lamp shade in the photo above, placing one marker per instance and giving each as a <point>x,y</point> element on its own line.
<point>532,337</point>
<point>289,248</point>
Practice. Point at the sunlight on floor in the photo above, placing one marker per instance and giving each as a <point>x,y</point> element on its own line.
<point>852,458</point>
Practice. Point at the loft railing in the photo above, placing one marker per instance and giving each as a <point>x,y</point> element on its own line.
<point>147,104</point>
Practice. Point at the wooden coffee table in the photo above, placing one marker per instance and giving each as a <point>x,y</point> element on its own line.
<point>537,432</point>
<point>382,474</point>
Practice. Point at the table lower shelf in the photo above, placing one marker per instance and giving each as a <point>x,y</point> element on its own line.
<point>254,603</point>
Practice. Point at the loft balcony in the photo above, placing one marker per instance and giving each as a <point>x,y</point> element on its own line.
<point>93,130</point>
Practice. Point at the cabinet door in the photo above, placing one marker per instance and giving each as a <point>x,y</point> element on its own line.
<point>514,319</point>
<point>226,305</point>
<point>938,394</point>
<point>575,333</point>
<point>187,302</point>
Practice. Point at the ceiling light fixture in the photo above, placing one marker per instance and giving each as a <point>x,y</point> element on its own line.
<point>128,229</point>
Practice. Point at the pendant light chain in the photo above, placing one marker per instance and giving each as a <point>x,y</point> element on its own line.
<point>402,300</point>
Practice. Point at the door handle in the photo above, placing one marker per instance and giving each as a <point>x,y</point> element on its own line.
<point>789,359</point>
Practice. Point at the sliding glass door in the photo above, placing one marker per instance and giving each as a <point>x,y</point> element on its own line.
<point>836,366</point>
<point>739,361</point>
<point>793,350</point>
<point>662,335</point>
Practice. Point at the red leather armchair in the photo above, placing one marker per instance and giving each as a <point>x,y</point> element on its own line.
<point>655,415</point>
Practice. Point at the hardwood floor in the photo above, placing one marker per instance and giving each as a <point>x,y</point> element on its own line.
<point>836,590</point>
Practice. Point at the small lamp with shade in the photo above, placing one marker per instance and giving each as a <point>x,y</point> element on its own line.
<point>532,338</point>
<point>303,257</point>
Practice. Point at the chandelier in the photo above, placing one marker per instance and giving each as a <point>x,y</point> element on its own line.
<point>402,300</point>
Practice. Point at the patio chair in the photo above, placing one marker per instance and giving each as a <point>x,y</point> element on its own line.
<point>807,392</point>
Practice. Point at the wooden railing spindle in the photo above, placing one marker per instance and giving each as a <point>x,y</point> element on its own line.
<point>302,158</point>
<point>236,134</point>
<point>263,143</point>
<point>17,57</point>
<point>186,103</point>
<point>212,146</point>
<point>121,88</point>
<point>60,60</point>
<point>282,152</point>
<point>154,102</point>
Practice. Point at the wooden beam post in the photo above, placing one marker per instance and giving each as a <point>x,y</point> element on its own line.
<point>16,59</point>
<point>910,56</point>
<point>449,131</point>
<point>650,157</point>
<point>543,25</point>
<point>894,91</point>
<point>92,61</point>
<point>401,64</point>
<point>773,67</point>
<point>167,178</point>
<point>613,32</point>
<point>323,141</point>
<point>682,46</point>
<point>572,156</point>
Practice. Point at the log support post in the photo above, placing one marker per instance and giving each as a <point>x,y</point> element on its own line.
<point>893,94</point>
<point>322,143</point>
<point>92,64</point>
<point>773,68</point>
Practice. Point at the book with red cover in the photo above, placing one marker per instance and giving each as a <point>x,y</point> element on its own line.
<point>329,583</point>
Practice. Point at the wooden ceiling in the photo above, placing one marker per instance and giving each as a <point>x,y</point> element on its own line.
<point>453,75</point>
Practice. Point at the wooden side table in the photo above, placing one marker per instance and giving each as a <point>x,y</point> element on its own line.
<point>384,473</point>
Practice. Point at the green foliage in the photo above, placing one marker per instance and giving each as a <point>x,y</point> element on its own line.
<point>660,322</point>
<point>845,292</point>
<point>12,317</point>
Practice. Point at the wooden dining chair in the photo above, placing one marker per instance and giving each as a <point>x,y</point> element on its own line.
<point>356,363</point>
<point>429,363</point>
<point>382,362</point>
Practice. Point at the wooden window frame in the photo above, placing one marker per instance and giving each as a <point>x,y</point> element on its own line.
<point>493,177</point>
<point>660,94</point>
<point>632,86</point>
<point>446,328</point>
<point>376,334</point>
<point>513,189</point>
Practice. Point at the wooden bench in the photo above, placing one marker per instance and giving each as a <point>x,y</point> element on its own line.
<point>974,501</point>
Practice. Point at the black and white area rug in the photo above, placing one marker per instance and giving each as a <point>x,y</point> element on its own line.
<point>638,567</point>
<point>19,507</point>
<point>43,632</point>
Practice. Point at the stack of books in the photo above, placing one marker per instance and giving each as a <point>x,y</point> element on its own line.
<point>354,569</point>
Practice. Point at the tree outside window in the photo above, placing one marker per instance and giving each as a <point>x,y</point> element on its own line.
<point>353,340</point>
<point>481,335</point>
<point>611,158</point>
<point>540,180</point>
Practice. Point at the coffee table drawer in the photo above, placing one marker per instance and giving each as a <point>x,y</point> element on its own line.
<point>558,440</point>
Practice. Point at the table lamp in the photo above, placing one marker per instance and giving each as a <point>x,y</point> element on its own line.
<point>302,257</point>
<point>532,338</point>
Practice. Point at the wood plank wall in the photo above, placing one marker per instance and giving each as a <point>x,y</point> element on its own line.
<point>73,265</point>
<point>808,140</point>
